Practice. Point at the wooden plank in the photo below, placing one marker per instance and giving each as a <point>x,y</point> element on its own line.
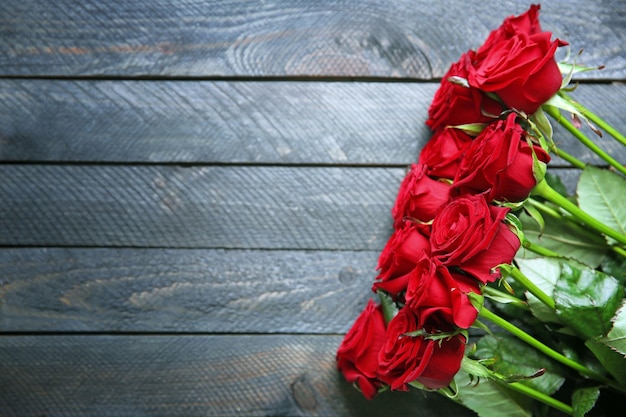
<point>156,290</point>
<point>237,207</point>
<point>190,376</point>
<point>213,122</point>
<point>368,38</point>
<point>241,122</point>
<point>204,207</point>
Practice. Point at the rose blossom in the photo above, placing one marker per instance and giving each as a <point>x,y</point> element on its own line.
<point>399,256</point>
<point>405,358</point>
<point>442,153</point>
<point>419,196</point>
<point>501,162</point>
<point>455,104</point>
<point>516,62</point>
<point>470,234</point>
<point>434,289</point>
<point>357,356</point>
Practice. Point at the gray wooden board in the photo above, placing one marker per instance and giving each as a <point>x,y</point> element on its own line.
<point>242,122</point>
<point>165,290</point>
<point>238,207</point>
<point>415,39</point>
<point>213,375</point>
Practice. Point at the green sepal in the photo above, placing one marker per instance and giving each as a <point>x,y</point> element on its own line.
<point>472,129</point>
<point>388,306</point>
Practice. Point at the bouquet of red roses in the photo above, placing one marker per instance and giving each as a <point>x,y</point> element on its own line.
<point>486,244</point>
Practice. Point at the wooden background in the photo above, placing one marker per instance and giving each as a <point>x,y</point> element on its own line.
<point>194,194</point>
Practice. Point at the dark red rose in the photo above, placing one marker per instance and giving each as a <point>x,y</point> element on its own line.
<point>406,358</point>
<point>442,153</point>
<point>527,22</point>
<point>516,62</point>
<point>357,356</point>
<point>501,162</point>
<point>419,196</point>
<point>454,104</point>
<point>399,256</point>
<point>470,234</point>
<point>435,290</point>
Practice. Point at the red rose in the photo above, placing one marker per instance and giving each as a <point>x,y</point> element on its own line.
<point>357,356</point>
<point>399,256</point>
<point>435,290</point>
<point>517,63</point>
<point>405,358</point>
<point>501,162</point>
<point>442,153</point>
<point>527,22</point>
<point>470,234</point>
<point>419,196</point>
<point>455,104</point>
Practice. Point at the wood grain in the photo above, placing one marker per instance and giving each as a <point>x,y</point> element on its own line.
<point>164,38</point>
<point>207,207</point>
<point>189,376</point>
<point>242,122</point>
<point>166,290</point>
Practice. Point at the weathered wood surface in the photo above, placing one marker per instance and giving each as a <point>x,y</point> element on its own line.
<point>328,123</point>
<point>193,195</point>
<point>400,39</point>
<point>166,290</point>
<point>187,375</point>
<point>325,208</point>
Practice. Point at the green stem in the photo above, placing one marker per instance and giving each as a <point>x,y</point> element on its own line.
<point>540,396</point>
<point>542,189</point>
<point>556,114</point>
<point>538,249</point>
<point>525,337</point>
<point>596,119</point>
<point>577,163</point>
<point>531,287</point>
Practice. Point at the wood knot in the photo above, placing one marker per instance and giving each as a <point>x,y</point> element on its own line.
<point>304,394</point>
<point>347,275</point>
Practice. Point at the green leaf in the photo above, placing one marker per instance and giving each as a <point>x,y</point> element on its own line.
<point>586,300</point>
<point>516,360</point>
<point>616,339</point>
<point>559,237</point>
<point>488,398</point>
<point>612,361</point>
<point>544,273</point>
<point>601,194</point>
<point>584,399</point>
<point>536,215</point>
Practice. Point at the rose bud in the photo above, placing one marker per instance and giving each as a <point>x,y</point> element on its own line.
<point>433,289</point>
<point>502,163</point>
<point>442,153</point>
<point>419,196</point>
<point>406,358</point>
<point>399,256</point>
<point>455,104</point>
<point>357,356</point>
<point>470,234</point>
<point>517,63</point>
